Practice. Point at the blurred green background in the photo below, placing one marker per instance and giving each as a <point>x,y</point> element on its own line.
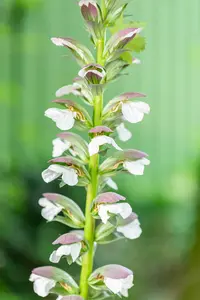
<point>166,259</point>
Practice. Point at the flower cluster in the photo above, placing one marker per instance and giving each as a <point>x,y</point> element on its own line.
<point>108,216</point>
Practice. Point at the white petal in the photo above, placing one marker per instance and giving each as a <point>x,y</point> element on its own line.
<point>66,250</point>
<point>75,251</point>
<point>49,175</point>
<point>123,133</point>
<point>134,112</point>
<point>100,140</point>
<point>111,183</point>
<point>113,285</point>
<point>59,298</point>
<point>41,285</point>
<point>50,210</point>
<point>123,209</point>
<point>59,147</point>
<point>66,90</point>
<point>63,118</point>
<point>131,230</point>
<point>136,167</point>
<point>70,176</point>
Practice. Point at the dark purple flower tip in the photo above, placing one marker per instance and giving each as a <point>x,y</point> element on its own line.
<point>94,73</point>
<point>109,197</point>
<point>113,271</point>
<point>100,129</point>
<point>69,238</point>
<point>46,272</point>
<point>89,10</point>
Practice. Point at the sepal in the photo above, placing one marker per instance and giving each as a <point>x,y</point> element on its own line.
<point>120,40</point>
<point>73,215</point>
<point>114,278</point>
<point>50,279</point>
<point>81,53</point>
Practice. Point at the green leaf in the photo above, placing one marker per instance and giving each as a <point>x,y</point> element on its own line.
<point>138,44</point>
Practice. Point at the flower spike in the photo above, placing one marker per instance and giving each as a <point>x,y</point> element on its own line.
<point>85,163</point>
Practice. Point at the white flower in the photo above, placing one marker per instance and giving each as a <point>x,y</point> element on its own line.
<point>123,133</point>
<point>50,209</point>
<point>72,250</point>
<point>63,118</point>
<point>119,286</point>
<point>69,175</point>
<point>42,285</point>
<point>100,140</point>
<point>122,209</point>
<point>131,230</point>
<point>59,147</point>
<point>136,167</point>
<point>111,183</point>
<point>59,298</point>
<point>68,89</point>
<point>134,112</point>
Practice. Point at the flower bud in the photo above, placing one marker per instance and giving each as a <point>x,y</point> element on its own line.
<point>93,73</point>
<point>89,10</point>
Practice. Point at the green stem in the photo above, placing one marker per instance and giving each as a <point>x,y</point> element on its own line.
<point>89,231</point>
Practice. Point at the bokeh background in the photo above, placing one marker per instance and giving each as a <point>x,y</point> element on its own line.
<point>166,259</point>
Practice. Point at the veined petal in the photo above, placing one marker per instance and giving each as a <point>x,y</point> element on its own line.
<point>123,133</point>
<point>111,183</point>
<point>136,167</point>
<point>98,141</point>
<point>70,176</point>
<point>65,250</point>
<point>59,147</point>
<point>134,112</point>
<point>63,118</point>
<point>51,173</point>
<point>130,230</point>
<point>122,209</point>
<point>50,209</point>
<point>42,285</point>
